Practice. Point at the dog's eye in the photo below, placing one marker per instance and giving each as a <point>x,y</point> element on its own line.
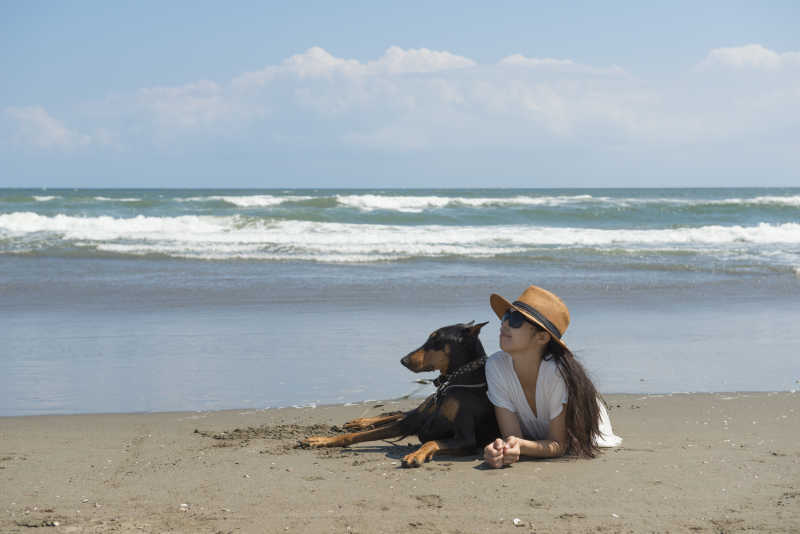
<point>435,341</point>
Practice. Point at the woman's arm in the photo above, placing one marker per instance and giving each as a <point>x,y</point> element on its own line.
<point>556,443</point>
<point>508,422</point>
<point>511,447</point>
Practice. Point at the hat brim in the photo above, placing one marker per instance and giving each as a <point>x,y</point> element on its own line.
<point>500,305</point>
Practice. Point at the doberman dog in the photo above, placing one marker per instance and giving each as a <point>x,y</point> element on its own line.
<point>455,420</point>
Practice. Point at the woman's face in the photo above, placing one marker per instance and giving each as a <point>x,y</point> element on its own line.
<point>516,339</point>
<point>525,337</point>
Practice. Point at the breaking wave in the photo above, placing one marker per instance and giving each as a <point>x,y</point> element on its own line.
<point>248,201</point>
<point>240,237</point>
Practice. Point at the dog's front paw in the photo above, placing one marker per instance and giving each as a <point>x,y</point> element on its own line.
<point>415,459</point>
<point>357,424</point>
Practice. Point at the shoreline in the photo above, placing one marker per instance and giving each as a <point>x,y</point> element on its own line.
<point>704,462</point>
<point>369,402</point>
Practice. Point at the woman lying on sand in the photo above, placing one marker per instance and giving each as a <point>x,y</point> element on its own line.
<point>533,378</point>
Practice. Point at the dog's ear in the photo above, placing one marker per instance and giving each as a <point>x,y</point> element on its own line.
<point>475,329</point>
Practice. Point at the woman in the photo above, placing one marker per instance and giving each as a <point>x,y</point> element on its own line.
<point>545,404</point>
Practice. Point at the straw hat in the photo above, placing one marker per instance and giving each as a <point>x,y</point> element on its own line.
<point>539,306</point>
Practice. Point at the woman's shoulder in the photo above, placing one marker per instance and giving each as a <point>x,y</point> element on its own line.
<point>498,357</point>
<point>548,370</point>
<point>497,361</point>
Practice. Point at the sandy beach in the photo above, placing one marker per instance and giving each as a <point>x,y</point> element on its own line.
<point>227,229</point>
<point>725,462</point>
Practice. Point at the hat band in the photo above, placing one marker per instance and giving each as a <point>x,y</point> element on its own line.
<point>541,318</point>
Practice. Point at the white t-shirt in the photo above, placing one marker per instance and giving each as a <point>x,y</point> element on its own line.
<point>506,391</point>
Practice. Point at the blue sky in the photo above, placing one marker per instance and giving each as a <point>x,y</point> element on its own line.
<point>373,94</point>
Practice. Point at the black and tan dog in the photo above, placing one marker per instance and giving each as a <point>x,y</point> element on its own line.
<point>455,420</point>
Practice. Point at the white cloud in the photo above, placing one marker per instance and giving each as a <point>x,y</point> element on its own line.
<point>558,65</point>
<point>752,56</point>
<point>391,109</point>
<point>35,127</point>
<point>419,99</point>
<point>399,61</point>
<point>255,79</point>
<point>317,62</point>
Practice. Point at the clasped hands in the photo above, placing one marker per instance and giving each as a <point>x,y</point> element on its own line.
<point>500,453</point>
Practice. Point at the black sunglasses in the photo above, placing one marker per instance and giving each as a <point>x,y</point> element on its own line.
<point>514,318</point>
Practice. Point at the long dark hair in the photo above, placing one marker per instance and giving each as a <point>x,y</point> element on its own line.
<point>583,413</point>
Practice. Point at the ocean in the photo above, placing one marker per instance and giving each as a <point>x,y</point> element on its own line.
<point>135,300</point>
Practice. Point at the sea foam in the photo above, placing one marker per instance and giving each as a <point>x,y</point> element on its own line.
<point>416,204</point>
<point>249,201</point>
<point>109,199</point>
<point>228,237</point>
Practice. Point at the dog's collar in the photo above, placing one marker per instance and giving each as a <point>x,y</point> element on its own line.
<point>466,368</point>
<point>442,382</point>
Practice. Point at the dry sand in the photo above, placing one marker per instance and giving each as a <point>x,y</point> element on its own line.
<point>696,463</point>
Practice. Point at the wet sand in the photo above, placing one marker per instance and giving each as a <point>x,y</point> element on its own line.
<point>698,463</point>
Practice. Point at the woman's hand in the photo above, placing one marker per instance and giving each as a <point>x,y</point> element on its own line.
<point>499,453</point>
<point>493,453</point>
<point>511,450</point>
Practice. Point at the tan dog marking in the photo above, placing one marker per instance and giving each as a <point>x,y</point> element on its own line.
<point>422,455</point>
<point>430,360</point>
<point>363,423</point>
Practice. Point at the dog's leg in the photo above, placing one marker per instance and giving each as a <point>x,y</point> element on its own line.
<point>412,416</point>
<point>455,447</point>
<point>463,441</point>
<point>391,430</point>
<point>363,423</point>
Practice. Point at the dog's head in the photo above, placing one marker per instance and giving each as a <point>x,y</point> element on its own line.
<point>446,349</point>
